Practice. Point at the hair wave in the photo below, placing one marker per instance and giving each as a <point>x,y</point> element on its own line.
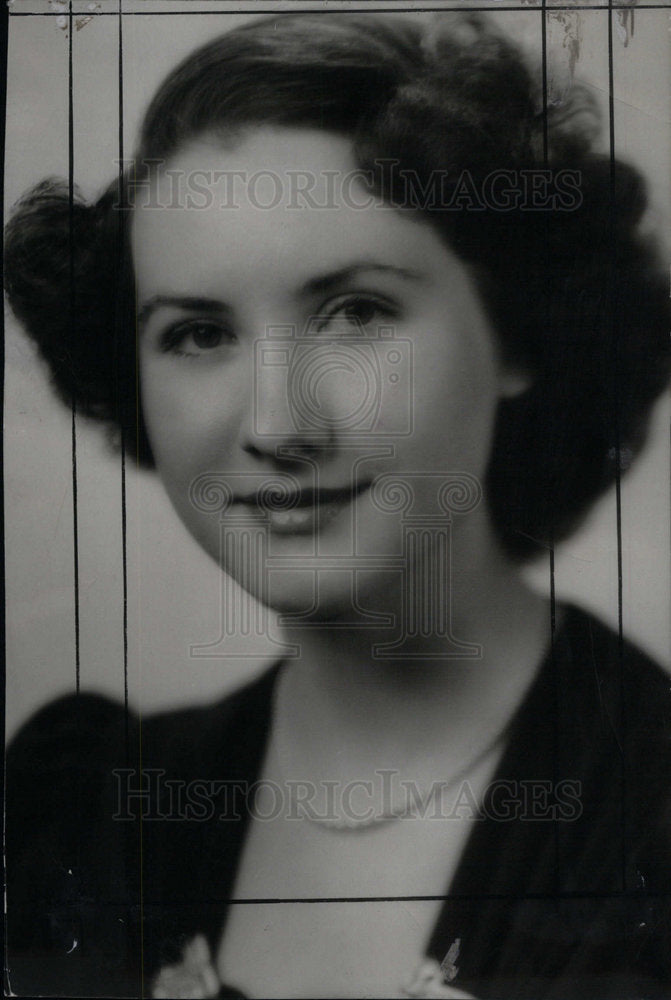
<point>578,298</point>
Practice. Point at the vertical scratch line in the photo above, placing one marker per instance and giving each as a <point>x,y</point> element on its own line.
<point>4,45</point>
<point>544,66</point>
<point>121,332</point>
<point>615,348</point>
<point>551,543</point>
<point>73,341</point>
<point>75,362</point>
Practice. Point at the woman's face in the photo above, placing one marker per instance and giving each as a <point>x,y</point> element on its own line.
<point>313,338</point>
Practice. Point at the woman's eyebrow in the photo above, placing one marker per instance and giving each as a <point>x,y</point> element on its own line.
<point>319,284</point>
<point>190,303</point>
<point>330,280</point>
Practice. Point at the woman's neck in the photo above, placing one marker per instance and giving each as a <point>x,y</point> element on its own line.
<point>351,713</point>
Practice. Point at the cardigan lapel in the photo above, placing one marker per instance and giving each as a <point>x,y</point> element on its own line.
<point>189,867</point>
<point>538,895</point>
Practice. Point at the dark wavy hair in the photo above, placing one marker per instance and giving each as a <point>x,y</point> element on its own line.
<point>578,297</point>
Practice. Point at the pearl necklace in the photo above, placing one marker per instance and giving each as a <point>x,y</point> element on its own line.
<point>417,808</point>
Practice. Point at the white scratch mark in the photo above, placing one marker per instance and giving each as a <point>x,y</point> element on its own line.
<point>448,966</point>
<point>74,945</point>
<point>624,25</point>
<point>10,991</point>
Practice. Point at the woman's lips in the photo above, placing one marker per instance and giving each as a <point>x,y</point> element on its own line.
<point>304,512</point>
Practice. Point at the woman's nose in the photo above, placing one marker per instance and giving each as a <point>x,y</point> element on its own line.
<point>293,399</point>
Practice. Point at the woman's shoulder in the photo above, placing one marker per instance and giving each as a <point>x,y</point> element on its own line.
<point>615,718</point>
<point>81,787</point>
<point>626,681</point>
<point>88,726</point>
<point>63,746</point>
<point>67,720</point>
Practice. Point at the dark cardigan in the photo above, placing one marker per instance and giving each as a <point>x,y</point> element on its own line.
<point>568,896</point>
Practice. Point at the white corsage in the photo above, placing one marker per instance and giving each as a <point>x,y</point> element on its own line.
<point>194,978</point>
<point>429,982</point>
<point>433,979</point>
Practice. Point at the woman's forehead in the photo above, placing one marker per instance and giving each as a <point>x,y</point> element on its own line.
<point>287,202</point>
<point>264,167</point>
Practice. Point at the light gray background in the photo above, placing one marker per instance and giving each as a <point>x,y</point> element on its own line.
<point>173,589</point>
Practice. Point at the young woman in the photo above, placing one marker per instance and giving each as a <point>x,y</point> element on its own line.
<point>382,324</point>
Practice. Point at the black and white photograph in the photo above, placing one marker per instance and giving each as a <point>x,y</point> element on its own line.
<point>337,499</point>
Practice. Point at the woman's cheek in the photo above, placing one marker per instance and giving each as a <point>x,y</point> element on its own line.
<point>191,433</point>
<point>182,415</point>
<point>455,397</point>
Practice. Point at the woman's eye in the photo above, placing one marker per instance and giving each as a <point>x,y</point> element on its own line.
<point>195,337</point>
<point>359,312</point>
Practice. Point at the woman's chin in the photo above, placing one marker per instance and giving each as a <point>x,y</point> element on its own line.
<point>308,596</point>
<point>330,597</point>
